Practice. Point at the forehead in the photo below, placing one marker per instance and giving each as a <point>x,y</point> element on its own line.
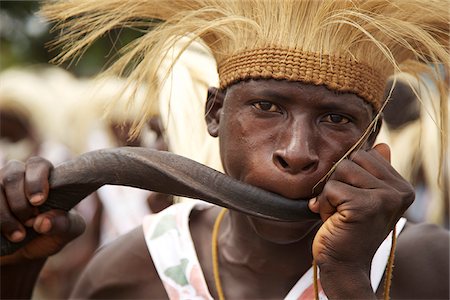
<point>297,92</point>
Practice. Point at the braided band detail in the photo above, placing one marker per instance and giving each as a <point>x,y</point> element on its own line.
<point>336,73</point>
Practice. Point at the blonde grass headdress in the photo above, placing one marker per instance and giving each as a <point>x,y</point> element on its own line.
<point>37,93</point>
<point>348,46</point>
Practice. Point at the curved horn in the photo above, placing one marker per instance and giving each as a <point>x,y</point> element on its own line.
<point>162,172</point>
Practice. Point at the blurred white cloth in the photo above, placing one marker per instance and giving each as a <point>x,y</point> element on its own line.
<point>124,209</point>
<point>182,105</point>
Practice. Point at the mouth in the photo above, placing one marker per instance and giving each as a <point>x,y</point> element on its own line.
<point>290,189</point>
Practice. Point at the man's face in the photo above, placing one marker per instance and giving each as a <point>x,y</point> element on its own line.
<point>285,136</point>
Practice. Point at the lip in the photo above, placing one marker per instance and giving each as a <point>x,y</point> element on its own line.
<point>290,187</point>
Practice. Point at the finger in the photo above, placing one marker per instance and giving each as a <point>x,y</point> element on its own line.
<point>384,151</point>
<point>313,205</point>
<point>10,227</point>
<point>337,197</point>
<point>13,184</point>
<point>62,228</point>
<point>373,162</point>
<point>351,173</point>
<point>36,180</point>
<point>60,223</point>
<point>334,194</point>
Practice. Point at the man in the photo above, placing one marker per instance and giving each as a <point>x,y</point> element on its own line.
<point>296,114</point>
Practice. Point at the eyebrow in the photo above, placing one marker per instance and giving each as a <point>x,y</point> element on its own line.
<point>272,94</point>
<point>328,102</point>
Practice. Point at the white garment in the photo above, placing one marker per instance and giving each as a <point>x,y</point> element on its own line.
<point>173,253</point>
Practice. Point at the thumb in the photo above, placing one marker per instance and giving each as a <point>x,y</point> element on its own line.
<point>384,150</point>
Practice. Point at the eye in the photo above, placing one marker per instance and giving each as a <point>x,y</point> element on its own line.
<point>266,106</point>
<point>336,119</point>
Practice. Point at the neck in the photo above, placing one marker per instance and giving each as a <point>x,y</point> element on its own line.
<point>264,247</point>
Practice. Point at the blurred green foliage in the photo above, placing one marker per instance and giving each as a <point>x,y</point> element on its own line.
<point>24,36</point>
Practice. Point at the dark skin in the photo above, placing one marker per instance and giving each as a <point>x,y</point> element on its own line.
<point>283,137</point>
<point>15,127</point>
<point>404,106</point>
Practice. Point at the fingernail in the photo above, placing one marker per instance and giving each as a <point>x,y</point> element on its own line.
<point>312,205</point>
<point>37,199</point>
<point>29,222</point>
<point>17,236</point>
<point>45,226</point>
<point>37,223</point>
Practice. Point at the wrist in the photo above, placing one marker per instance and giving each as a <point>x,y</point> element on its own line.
<point>346,282</point>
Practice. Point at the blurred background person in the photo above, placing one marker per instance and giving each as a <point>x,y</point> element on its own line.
<point>410,130</point>
<point>34,107</point>
<point>31,104</point>
<point>123,207</point>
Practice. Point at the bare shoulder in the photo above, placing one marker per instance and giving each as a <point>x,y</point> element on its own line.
<point>121,270</point>
<point>421,269</point>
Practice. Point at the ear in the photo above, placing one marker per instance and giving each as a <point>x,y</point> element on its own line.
<point>373,135</point>
<point>213,107</point>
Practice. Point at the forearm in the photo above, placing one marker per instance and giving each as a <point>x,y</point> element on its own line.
<point>18,280</point>
<point>343,282</point>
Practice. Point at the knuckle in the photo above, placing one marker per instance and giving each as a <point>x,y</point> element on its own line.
<point>12,172</point>
<point>397,200</point>
<point>14,165</point>
<point>328,186</point>
<point>357,154</point>
<point>342,168</point>
<point>331,187</point>
<point>38,161</point>
<point>345,164</point>
<point>9,179</point>
<point>408,195</point>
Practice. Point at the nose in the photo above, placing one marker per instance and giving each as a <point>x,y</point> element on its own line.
<point>295,152</point>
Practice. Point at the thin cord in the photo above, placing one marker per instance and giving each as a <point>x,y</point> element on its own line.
<point>390,266</point>
<point>316,281</point>
<point>215,259</point>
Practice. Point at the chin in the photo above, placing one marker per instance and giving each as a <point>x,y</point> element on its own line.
<point>284,233</point>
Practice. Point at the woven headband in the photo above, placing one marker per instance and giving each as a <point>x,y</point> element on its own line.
<point>336,73</point>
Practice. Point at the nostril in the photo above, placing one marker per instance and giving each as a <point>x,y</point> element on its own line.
<point>282,162</point>
<point>309,167</point>
<point>295,165</point>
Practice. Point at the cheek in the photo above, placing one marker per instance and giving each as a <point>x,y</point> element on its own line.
<point>241,145</point>
<point>232,149</point>
<point>333,147</point>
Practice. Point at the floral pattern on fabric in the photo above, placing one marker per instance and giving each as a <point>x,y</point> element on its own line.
<point>173,253</point>
<point>165,224</point>
<point>178,273</point>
